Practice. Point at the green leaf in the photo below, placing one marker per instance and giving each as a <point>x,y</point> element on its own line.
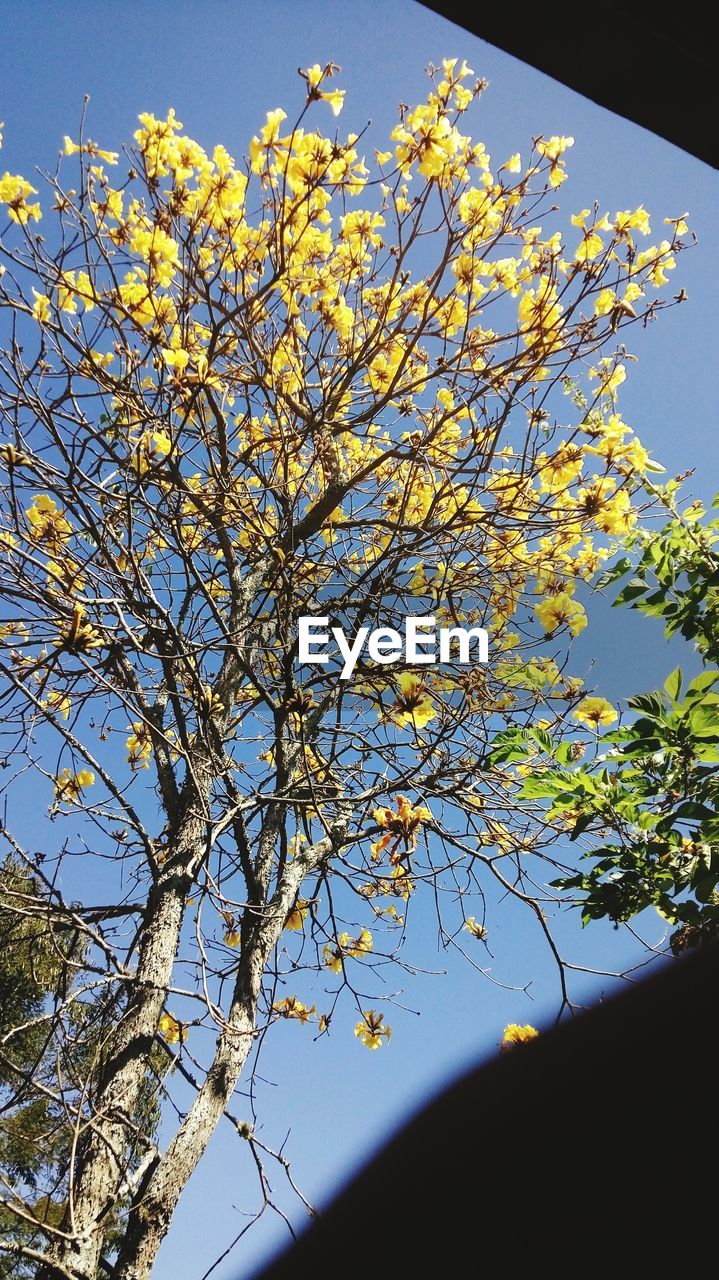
<point>581,825</point>
<point>673,684</point>
<point>701,683</point>
<point>634,588</point>
<point>613,574</point>
<point>543,739</point>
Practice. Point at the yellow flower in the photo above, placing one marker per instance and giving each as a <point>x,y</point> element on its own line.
<point>292,1007</point>
<point>659,259</point>
<point>14,192</point>
<point>333,956</point>
<point>139,746</point>
<point>359,946</point>
<point>41,307</point>
<point>592,244</point>
<point>514,1035</point>
<point>559,611</point>
<point>79,636</point>
<point>347,947</point>
<point>372,1030</point>
<point>476,929</point>
<point>401,826</point>
<point>47,521</point>
<point>335,98</point>
<point>270,143</point>
<point>553,149</point>
<point>606,302</point>
<point>89,148</point>
<point>595,712</point>
<point>152,448</point>
<point>69,786</point>
<point>171,1030</point>
<point>626,221</point>
<point>680,225</point>
<point>297,916</point>
<point>610,375</point>
<point>558,471</point>
<point>428,137</point>
<point>314,77</point>
<point>59,703</point>
<point>541,317</point>
<point>414,707</point>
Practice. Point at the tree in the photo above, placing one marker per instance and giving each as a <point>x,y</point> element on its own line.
<point>235,396</point>
<point>647,799</point>
<point>33,1136</point>
<point>43,1012</point>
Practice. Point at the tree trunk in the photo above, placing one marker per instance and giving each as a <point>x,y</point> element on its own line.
<point>102,1152</point>
<point>152,1213</point>
<point>101,1163</point>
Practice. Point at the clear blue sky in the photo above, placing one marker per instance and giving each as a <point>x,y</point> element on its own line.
<point>222,65</point>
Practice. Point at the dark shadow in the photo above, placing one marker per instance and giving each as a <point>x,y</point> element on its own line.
<point>655,70</point>
<point>592,1146</point>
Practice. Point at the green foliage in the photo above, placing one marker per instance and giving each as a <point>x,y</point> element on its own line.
<point>51,1039</point>
<point>676,578</point>
<point>34,971</point>
<point>648,799</point>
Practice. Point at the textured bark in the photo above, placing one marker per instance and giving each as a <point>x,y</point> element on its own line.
<point>101,1166</point>
<point>101,1163</point>
<point>152,1213</point>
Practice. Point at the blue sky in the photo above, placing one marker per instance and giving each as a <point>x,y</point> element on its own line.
<point>222,65</point>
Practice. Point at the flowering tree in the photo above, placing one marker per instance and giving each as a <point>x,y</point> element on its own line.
<point>646,803</point>
<point>233,396</point>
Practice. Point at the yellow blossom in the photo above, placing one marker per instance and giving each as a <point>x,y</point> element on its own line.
<point>41,307</point>
<point>14,192</point>
<point>401,827</point>
<point>292,1007</point>
<point>47,521</point>
<point>515,1034</point>
<point>611,375</point>
<point>297,916</point>
<point>372,1029</point>
<point>552,149</point>
<point>561,610</point>
<point>627,221</point>
<point>476,929</point>
<point>605,302</point>
<point>595,712</point>
<point>347,947</point>
<point>139,746</point>
<point>414,707</point>
<point>171,1030</point>
<point>69,786</point>
<point>78,636</point>
<point>151,449</point>
<point>89,148</point>
<point>59,703</point>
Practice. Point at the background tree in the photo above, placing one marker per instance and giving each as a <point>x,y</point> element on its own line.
<point>647,799</point>
<point>232,396</point>
<point>44,1011</point>
<point>33,1135</point>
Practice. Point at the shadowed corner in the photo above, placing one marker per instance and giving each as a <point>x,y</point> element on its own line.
<point>657,75</point>
<point>585,1145</point>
